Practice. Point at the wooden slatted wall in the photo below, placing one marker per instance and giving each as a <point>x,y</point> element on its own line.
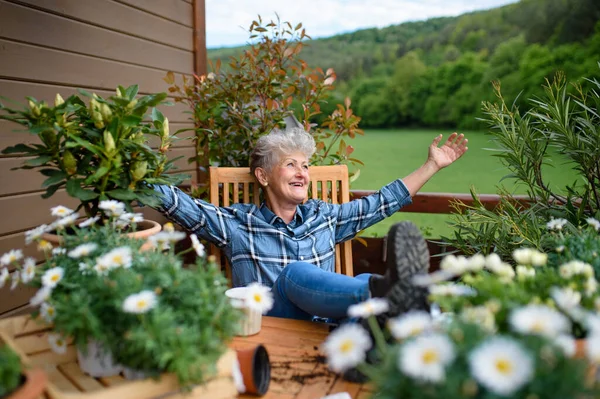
<point>50,46</point>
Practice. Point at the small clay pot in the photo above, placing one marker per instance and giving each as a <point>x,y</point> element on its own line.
<point>256,369</point>
<point>33,386</point>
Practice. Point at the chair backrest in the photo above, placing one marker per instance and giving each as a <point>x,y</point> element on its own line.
<point>328,183</point>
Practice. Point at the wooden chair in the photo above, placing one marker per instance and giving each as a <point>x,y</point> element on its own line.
<point>328,183</point>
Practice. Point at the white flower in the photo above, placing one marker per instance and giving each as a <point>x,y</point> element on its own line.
<point>48,312</point>
<point>439,276</point>
<point>58,251</point>
<point>540,320</point>
<point>61,211</point>
<point>83,250</point>
<point>89,222</point>
<point>565,298</point>
<point>456,265</point>
<point>502,270</point>
<point>35,234</point>
<point>65,221</point>
<point>594,223</point>
<point>575,267</point>
<point>566,343</point>
<point>481,315</point>
<point>592,348</point>
<point>42,295</point>
<point>492,260</point>
<point>100,268</point>
<point>131,218</point>
<point>258,297</point>
<point>538,258</point>
<point>451,290</point>
<point>410,324</point>
<point>197,245</point>
<point>525,272</point>
<point>165,237</point>
<point>52,277</point>
<point>44,246</point>
<point>140,302</point>
<point>426,357</point>
<point>57,343</point>
<point>346,347</point>
<point>556,224</point>
<point>501,365</point>
<point>118,257</point>
<point>28,271</point>
<point>522,256</point>
<point>476,263</point>
<point>4,275</point>
<point>370,307</point>
<point>560,248</point>
<point>112,207</point>
<point>590,286</point>
<point>11,256</point>
<point>15,278</point>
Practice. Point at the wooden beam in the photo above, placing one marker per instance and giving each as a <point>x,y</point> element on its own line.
<point>200,68</point>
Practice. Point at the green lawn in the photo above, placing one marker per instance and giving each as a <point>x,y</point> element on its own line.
<point>389,154</point>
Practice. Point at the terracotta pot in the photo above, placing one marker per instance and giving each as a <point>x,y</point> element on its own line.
<point>256,369</point>
<point>32,388</point>
<point>146,228</point>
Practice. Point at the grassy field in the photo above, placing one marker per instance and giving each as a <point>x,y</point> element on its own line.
<point>390,154</point>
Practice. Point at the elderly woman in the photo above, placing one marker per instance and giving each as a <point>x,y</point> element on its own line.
<point>289,244</point>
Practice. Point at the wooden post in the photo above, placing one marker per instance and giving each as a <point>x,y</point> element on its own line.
<point>200,68</point>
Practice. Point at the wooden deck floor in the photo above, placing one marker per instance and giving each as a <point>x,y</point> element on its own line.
<point>298,367</point>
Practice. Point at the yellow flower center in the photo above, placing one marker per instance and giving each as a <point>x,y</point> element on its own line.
<point>503,366</point>
<point>141,304</point>
<point>430,356</point>
<point>60,342</point>
<point>538,327</point>
<point>50,311</point>
<point>55,278</point>
<point>257,298</point>
<point>346,346</point>
<point>118,259</point>
<point>415,331</point>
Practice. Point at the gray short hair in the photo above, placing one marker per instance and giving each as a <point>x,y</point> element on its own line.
<point>270,147</point>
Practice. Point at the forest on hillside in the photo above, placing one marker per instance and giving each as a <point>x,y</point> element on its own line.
<point>436,73</point>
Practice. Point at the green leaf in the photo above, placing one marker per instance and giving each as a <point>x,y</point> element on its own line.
<point>79,142</point>
<point>122,194</point>
<point>75,190</point>
<point>54,179</point>
<point>103,170</point>
<point>157,115</point>
<point>131,120</point>
<point>41,160</point>
<point>19,149</point>
<point>51,190</point>
<point>131,92</point>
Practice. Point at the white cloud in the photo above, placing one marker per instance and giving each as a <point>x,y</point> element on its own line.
<point>227,21</point>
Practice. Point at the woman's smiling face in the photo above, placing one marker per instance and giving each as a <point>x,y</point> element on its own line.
<point>288,181</point>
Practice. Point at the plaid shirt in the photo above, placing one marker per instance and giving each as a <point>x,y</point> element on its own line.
<point>258,244</point>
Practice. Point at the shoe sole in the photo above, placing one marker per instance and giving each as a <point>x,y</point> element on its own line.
<point>408,253</point>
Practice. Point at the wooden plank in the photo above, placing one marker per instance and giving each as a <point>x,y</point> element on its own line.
<point>119,18</point>
<point>59,380</point>
<point>316,383</point>
<point>174,10</point>
<point>23,181</point>
<point>50,357</point>
<point>344,386</point>
<point>28,25</point>
<point>11,299</point>
<point>22,325</point>
<point>17,91</point>
<point>295,325</point>
<point>55,66</point>
<point>199,38</point>
<point>82,381</point>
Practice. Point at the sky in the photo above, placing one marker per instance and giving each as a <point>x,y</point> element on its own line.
<point>227,21</point>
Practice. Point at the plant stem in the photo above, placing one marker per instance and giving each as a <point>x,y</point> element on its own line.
<point>377,335</point>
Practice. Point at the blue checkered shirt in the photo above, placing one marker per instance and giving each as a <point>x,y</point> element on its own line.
<point>258,244</point>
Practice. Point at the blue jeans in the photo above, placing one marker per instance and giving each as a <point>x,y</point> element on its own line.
<point>303,290</point>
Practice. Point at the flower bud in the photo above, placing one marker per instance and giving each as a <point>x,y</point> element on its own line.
<point>94,105</point>
<point>34,108</point>
<point>69,163</point>
<point>139,170</point>
<point>109,143</point>
<point>106,112</point>
<point>58,100</point>
<point>165,129</point>
<point>98,121</point>
<point>132,104</point>
<point>48,137</point>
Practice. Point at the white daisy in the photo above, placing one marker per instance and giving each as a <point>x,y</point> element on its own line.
<point>88,222</point>
<point>370,307</point>
<point>118,257</point>
<point>590,286</point>
<point>44,246</point>
<point>197,245</point>
<point>451,289</point>
<point>42,295</point>
<point>140,303</point>
<point>480,315</point>
<point>48,312</point>
<point>566,343</point>
<point>15,279</point>
<point>492,260</point>
<point>35,234</point>
<point>57,343</point>
<point>556,224</point>
<point>425,280</point>
<point>4,275</point>
<point>456,265</point>
<point>346,347</point>
<point>52,277</point>
<point>522,256</point>
<point>476,263</point>
<point>566,298</point>
<point>258,297</point>
<point>61,211</point>
<point>112,207</point>
<point>83,250</point>
<point>594,223</point>
<point>12,256</point>
<point>100,268</point>
<point>425,358</point>
<point>538,258</point>
<point>120,224</point>
<point>412,323</point>
<point>169,227</point>
<point>59,251</point>
<point>525,272</point>
<point>539,320</point>
<point>501,365</point>
<point>164,237</point>
<point>28,271</point>
<point>65,221</point>
<point>132,218</point>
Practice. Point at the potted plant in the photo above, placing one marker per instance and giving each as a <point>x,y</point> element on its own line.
<point>141,310</point>
<point>97,151</point>
<point>16,383</point>
<point>426,358</point>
